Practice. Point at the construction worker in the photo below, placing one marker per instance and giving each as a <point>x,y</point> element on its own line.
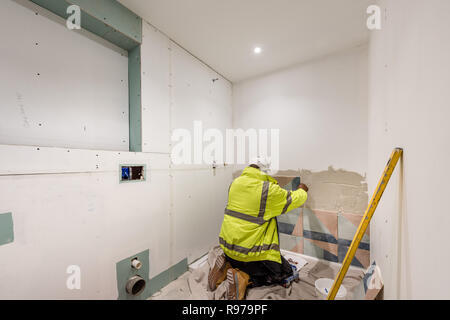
<point>249,234</point>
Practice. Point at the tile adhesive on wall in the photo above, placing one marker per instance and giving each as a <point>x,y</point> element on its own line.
<point>324,227</point>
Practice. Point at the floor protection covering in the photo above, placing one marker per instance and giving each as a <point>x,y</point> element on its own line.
<point>193,284</point>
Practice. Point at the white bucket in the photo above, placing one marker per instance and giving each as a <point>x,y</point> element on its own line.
<point>323,287</point>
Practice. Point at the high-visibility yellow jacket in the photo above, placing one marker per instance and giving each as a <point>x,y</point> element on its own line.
<point>249,229</point>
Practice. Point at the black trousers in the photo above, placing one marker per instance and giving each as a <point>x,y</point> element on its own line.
<point>263,273</point>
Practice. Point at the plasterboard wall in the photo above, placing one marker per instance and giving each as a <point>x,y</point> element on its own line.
<point>156,97</point>
<point>320,108</point>
<point>198,189</point>
<point>178,90</point>
<point>59,88</point>
<point>67,204</point>
<point>75,214</point>
<point>409,108</point>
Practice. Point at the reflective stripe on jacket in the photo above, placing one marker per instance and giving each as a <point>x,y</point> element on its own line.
<point>249,229</point>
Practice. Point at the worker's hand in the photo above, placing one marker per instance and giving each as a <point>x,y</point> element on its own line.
<point>303,186</point>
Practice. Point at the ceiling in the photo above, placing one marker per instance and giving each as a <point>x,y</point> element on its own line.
<point>223,33</point>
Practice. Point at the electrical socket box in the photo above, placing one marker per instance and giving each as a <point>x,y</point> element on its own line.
<point>129,173</point>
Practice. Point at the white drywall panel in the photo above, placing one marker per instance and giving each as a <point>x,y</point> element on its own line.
<point>408,108</point>
<point>37,160</point>
<point>86,219</point>
<point>198,93</point>
<point>155,55</point>
<point>58,87</point>
<point>199,193</point>
<point>200,199</point>
<point>320,108</point>
<point>67,202</point>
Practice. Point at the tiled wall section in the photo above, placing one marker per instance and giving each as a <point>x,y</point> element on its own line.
<point>321,234</point>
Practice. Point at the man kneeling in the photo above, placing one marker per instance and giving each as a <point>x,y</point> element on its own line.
<point>249,234</point>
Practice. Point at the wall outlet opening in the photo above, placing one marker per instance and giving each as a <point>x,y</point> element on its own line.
<point>132,173</point>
